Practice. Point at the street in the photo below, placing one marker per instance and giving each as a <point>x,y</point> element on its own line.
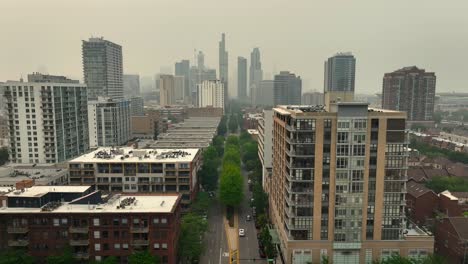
<point>248,244</point>
<point>216,248</point>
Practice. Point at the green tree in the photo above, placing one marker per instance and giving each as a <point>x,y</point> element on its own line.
<point>232,140</point>
<point>222,129</point>
<point>143,257</point>
<point>201,204</point>
<point>65,258</point>
<point>260,199</point>
<point>190,240</point>
<point>230,189</point>
<point>4,157</point>
<point>442,183</point>
<point>218,143</point>
<point>16,257</point>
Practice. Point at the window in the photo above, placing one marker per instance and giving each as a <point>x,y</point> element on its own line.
<point>343,124</point>
<point>163,221</point>
<point>97,247</point>
<point>97,234</point>
<point>342,162</point>
<point>124,221</point>
<point>96,221</point>
<point>342,137</point>
<point>342,150</point>
<point>156,221</point>
<point>56,222</point>
<point>164,245</point>
<point>117,246</point>
<point>125,246</point>
<point>156,245</point>
<point>359,150</point>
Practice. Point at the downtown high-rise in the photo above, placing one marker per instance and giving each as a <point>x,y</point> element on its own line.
<point>339,78</point>
<point>102,68</point>
<point>223,67</point>
<point>337,185</point>
<point>411,90</point>
<point>211,94</point>
<point>242,78</point>
<point>182,68</point>
<point>256,73</point>
<point>287,89</point>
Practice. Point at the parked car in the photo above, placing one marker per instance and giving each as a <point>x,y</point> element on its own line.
<point>241,232</point>
<point>249,218</point>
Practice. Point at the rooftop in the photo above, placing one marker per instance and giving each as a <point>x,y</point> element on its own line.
<point>417,189</point>
<point>140,203</point>
<point>133,155</point>
<point>38,191</point>
<point>41,174</point>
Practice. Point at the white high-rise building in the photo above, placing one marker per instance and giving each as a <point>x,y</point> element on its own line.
<point>109,122</point>
<point>211,94</point>
<point>48,121</point>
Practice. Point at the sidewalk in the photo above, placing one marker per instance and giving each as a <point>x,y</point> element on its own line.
<point>232,235</point>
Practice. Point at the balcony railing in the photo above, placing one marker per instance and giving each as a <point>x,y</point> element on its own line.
<point>140,242</point>
<point>18,243</point>
<point>140,229</point>
<point>79,242</point>
<point>80,230</point>
<point>17,229</point>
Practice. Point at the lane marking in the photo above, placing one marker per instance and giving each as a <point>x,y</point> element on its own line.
<point>220,250</point>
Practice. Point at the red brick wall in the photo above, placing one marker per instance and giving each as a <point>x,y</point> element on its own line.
<point>422,207</point>
<point>449,207</point>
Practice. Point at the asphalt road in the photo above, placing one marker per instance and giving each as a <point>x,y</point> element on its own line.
<point>248,244</point>
<point>216,248</point>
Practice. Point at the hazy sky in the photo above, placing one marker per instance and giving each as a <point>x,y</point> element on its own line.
<point>292,35</point>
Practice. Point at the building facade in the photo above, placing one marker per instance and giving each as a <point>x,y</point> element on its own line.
<point>242,78</point>
<point>287,89</point>
<point>102,68</point>
<point>131,85</point>
<point>109,122</point>
<point>211,94</point>
<point>256,72</point>
<point>265,145</point>
<point>339,78</point>
<point>182,68</point>
<point>411,90</point>
<point>47,121</point>
<point>137,104</point>
<point>94,228</point>
<point>224,67</point>
<point>337,187</point>
<point>132,170</point>
<point>312,98</point>
<point>171,90</point>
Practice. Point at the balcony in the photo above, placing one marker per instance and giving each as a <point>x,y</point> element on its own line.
<point>17,229</point>
<point>291,226</point>
<point>79,230</point>
<point>79,242</point>
<point>18,243</point>
<point>140,242</point>
<point>81,255</point>
<point>140,229</point>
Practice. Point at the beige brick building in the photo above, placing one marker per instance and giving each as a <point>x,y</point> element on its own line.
<point>338,185</point>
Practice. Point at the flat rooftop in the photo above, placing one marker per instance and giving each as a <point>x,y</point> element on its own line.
<point>133,155</point>
<point>140,204</point>
<point>38,191</point>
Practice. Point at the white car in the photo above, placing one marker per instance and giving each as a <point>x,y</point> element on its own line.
<point>241,232</point>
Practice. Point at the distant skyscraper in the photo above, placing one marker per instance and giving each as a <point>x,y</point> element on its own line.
<point>264,93</point>
<point>171,90</point>
<point>46,78</point>
<point>339,78</point>
<point>131,83</point>
<point>211,94</point>
<point>287,89</point>
<point>201,60</point>
<point>223,66</point>
<point>241,78</point>
<point>102,68</point>
<point>312,98</point>
<point>198,74</point>
<point>182,68</point>
<point>49,121</point>
<point>256,73</point>
<point>109,122</point>
<point>411,90</point>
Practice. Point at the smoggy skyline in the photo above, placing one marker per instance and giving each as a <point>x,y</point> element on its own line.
<point>292,35</point>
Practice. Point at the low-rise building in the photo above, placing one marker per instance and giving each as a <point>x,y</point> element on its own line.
<point>421,202</point>
<point>44,221</point>
<point>452,239</point>
<point>11,174</point>
<point>132,170</point>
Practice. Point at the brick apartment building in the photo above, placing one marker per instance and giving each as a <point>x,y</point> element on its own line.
<point>132,170</point>
<point>44,220</point>
<point>452,239</point>
<point>421,202</point>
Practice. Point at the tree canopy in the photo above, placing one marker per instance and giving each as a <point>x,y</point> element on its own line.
<point>442,183</point>
<point>143,257</point>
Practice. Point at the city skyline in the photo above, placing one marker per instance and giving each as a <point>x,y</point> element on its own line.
<point>303,53</point>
